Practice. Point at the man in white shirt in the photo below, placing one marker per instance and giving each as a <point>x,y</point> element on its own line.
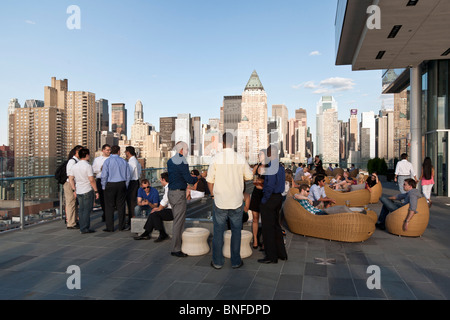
<point>133,187</point>
<point>97,168</point>
<point>71,200</point>
<point>84,188</point>
<point>226,176</point>
<point>159,214</point>
<point>404,170</point>
<point>317,193</point>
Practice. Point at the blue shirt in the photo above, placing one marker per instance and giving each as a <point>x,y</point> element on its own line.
<point>179,174</point>
<point>115,169</point>
<point>273,183</point>
<point>152,197</point>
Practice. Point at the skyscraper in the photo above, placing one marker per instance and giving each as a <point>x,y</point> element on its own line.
<point>38,136</point>
<point>119,118</point>
<point>327,140</point>
<point>281,111</point>
<point>252,130</point>
<point>102,121</point>
<point>140,129</point>
<point>81,119</point>
<point>368,122</point>
<point>13,105</point>
<point>79,114</point>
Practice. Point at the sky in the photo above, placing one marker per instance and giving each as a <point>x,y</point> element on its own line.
<point>179,56</point>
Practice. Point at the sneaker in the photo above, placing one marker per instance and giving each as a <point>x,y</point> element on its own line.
<point>215,266</point>
<point>239,265</point>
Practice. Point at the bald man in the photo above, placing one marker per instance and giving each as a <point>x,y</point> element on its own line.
<point>179,178</point>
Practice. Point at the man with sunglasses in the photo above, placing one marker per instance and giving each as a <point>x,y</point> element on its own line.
<point>147,199</point>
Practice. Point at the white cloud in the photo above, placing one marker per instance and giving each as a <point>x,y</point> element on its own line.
<point>307,85</point>
<point>328,86</point>
<point>30,22</point>
<point>315,53</point>
<point>338,84</point>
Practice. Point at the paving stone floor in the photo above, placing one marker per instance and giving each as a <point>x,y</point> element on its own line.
<point>33,265</point>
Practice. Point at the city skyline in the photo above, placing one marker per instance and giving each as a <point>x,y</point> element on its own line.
<point>182,57</point>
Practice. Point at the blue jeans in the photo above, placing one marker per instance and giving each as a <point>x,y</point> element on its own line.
<point>141,210</point>
<point>85,205</point>
<point>220,226</point>
<point>388,207</point>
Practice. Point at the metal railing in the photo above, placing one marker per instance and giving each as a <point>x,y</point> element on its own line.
<point>40,198</point>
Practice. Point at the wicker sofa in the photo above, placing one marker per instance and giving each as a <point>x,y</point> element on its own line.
<point>345,227</point>
<point>417,225</point>
<point>357,198</point>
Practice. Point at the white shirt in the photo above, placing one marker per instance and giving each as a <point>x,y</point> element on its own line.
<point>227,171</point>
<point>70,165</point>
<point>165,200</point>
<point>81,172</point>
<point>135,168</point>
<point>97,166</point>
<point>404,168</point>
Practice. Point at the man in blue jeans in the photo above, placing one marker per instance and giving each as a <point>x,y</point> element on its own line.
<point>225,178</point>
<point>410,197</point>
<point>83,185</point>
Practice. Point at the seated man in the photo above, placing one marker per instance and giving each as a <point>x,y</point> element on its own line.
<point>147,199</point>
<point>318,195</point>
<point>410,197</point>
<point>159,214</point>
<point>306,203</point>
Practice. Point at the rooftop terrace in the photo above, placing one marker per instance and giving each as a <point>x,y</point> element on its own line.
<point>33,265</point>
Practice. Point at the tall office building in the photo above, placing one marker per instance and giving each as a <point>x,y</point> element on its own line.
<point>140,129</point>
<point>385,136</point>
<point>81,119</point>
<point>79,114</point>
<point>401,123</point>
<point>119,118</point>
<point>353,131</point>
<point>102,120</point>
<point>38,139</point>
<point>231,116</point>
<point>167,130</point>
<point>327,140</point>
<point>252,130</point>
<point>281,111</point>
<point>368,122</point>
<point>13,105</point>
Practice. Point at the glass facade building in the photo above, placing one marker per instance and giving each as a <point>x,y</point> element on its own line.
<point>414,43</point>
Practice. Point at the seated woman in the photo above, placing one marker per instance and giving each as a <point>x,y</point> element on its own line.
<point>360,183</point>
<point>372,180</point>
<point>345,183</point>
<point>334,183</point>
<point>199,189</point>
<point>307,204</point>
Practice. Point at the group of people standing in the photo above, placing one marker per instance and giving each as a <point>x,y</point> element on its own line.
<point>110,179</point>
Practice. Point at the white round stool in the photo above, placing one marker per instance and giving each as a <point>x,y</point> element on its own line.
<point>195,241</point>
<point>246,238</point>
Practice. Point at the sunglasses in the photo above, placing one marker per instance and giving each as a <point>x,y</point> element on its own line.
<point>307,190</point>
<point>146,188</point>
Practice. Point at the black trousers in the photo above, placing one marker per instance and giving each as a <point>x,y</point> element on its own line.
<point>132,192</point>
<point>101,196</point>
<point>155,221</point>
<point>271,228</point>
<point>115,195</point>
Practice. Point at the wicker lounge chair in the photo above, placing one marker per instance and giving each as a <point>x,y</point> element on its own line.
<point>345,227</point>
<point>357,198</point>
<point>417,225</point>
<point>377,191</point>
